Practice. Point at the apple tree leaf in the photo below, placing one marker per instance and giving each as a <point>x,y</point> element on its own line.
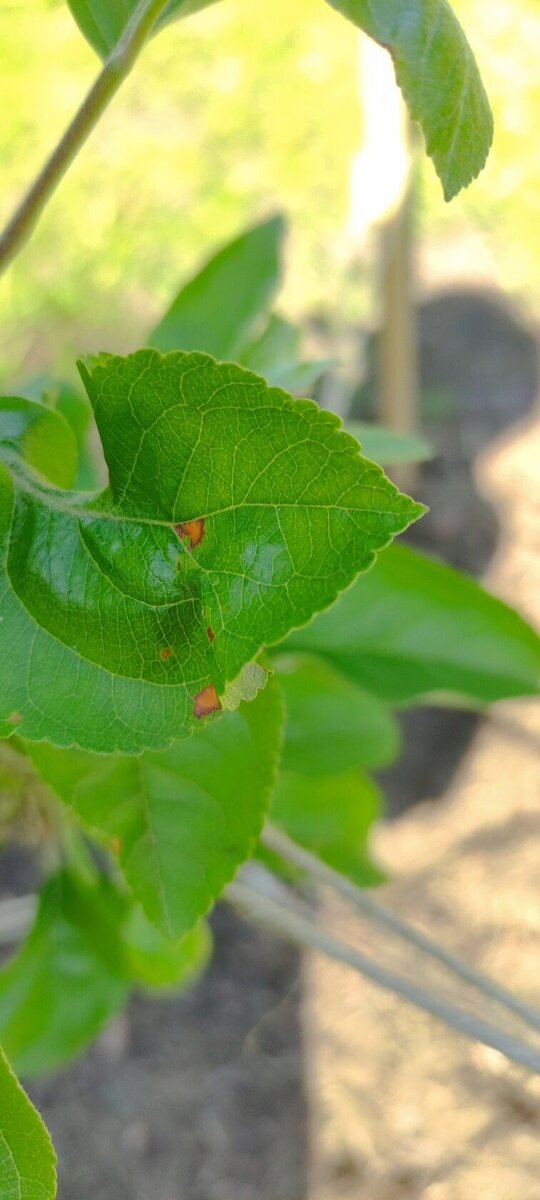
<point>183,819</point>
<point>437,73</point>
<point>331,815</point>
<point>415,629</point>
<point>217,311</point>
<point>67,978</point>
<point>27,1158</point>
<point>102,22</point>
<point>331,724</point>
<point>233,514</point>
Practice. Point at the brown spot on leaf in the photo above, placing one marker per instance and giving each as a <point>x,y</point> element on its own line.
<point>206,702</point>
<point>14,719</point>
<point>165,653</point>
<point>192,531</point>
<point>116,844</point>
<point>210,634</point>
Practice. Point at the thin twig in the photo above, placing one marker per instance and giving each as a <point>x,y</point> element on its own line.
<point>277,841</point>
<point>289,923</point>
<point>116,69</point>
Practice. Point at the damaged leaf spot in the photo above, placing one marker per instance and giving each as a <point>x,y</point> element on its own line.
<point>210,634</point>
<point>165,653</point>
<point>192,531</point>
<point>206,702</point>
<point>14,719</point>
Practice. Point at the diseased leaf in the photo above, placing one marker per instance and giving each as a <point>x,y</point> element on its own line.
<point>218,310</point>
<point>69,976</point>
<point>182,820</point>
<point>331,724</point>
<point>251,680</point>
<point>331,816</point>
<point>233,513</point>
<point>27,1158</point>
<point>437,73</point>
<point>386,447</point>
<point>103,21</point>
<point>413,628</point>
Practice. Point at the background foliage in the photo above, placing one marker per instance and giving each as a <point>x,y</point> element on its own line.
<point>231,110</point>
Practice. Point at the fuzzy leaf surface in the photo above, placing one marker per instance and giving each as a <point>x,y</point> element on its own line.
<point>437,73</point>
<point>27,1158</point>
<point>183,819</point>
<point>233,514</point>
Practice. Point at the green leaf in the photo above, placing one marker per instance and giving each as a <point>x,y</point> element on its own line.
<point>40,436</point>
<point>386,447</point>
<point>156,963</point>
<point>332,724</point>
<point>182,819</point>
<point>331,816</point>
<point>69,976</point>
<point>437,73</point>
<point>27,1158</point>
<point>77,411</point>
<point>276,355</point>
<point>233,514</point>
<point>414,629</point>
<point>217,311</point>
<point>103,21</point>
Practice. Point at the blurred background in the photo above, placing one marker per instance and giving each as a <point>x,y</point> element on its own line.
<point>256,1084</point>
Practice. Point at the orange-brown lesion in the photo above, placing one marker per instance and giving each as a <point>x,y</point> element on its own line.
<point>206,702</point>
<point>191,531</point>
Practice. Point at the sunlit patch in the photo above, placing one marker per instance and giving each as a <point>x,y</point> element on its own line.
<point>191,531</point>
<point>206,702</point>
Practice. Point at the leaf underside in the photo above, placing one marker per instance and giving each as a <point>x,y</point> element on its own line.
<point>102,22</point>
<point>437,73</point>
<point>233,514</point>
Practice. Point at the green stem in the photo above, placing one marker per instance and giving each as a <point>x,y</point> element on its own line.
<point>302,932</point>
<point>116,69</point>
<point>277,841</point>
